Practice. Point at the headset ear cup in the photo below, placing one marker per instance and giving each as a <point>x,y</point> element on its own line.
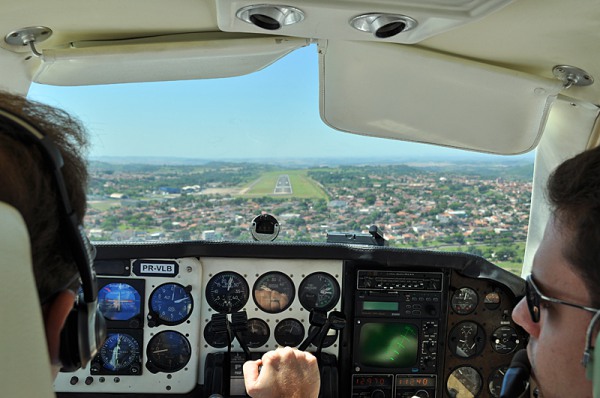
<point>593,371</point>
<point>82,336</point>
<point>69,354</point>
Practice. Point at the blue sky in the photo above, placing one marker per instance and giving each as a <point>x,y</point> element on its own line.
<point>273,113</point>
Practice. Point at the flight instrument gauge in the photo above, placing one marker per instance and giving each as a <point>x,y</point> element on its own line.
<point>120,352</point>
<point>495,381</point>
<point>257,334</point>
<point>492,300</point>
<point>168,352</point>
<point>464,382</point>
<point>464,301</point>
<point>319,291</point>
<point>227,292</point>
<point>119,301</point>
<point>330,338</point>
<point>466,339</point>
<point>505,340</point>
<point>289,332</point>
<point>274,292</point>
<point>170,304</point>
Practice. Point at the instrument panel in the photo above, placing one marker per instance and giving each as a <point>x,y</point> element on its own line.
<point>183,317</point>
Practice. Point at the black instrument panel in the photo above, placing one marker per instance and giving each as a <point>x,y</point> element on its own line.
<point>426,323</point>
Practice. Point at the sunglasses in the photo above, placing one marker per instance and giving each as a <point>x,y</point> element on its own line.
<point>535,297</point>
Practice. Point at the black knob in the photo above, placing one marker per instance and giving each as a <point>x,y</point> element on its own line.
<point>378,394</point>
<point>431,347</point>
<point>89,380</point>
<point>74,380</point>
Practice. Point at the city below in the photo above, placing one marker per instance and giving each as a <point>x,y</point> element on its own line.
<point>480,208</point>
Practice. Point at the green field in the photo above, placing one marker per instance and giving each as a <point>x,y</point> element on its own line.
<point>104,205</point>
<point>302,186</point>
<point>513,266</point>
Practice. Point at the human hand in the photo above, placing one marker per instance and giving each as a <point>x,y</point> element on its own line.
<point>285,372</point>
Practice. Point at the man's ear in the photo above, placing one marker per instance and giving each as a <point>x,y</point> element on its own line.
<point>55,315</point>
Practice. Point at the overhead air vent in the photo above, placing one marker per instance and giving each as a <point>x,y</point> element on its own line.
<point>398,21</point>
<point>383,25</point>
<point>270,17</point>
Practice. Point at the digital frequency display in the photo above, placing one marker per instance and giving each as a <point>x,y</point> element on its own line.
<point>388,345</point>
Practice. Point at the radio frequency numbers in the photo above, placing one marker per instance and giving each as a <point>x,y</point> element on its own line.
<point>415,381</point>
<point>370,381</point>
<point>374,385</point>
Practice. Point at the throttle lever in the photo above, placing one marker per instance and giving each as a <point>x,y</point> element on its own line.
<point>222,325</point>
<point>317,320</point>
<point>239,324</point>
<point>336,321</point>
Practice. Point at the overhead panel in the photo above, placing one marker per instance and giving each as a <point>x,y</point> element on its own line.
<point>406,93</point>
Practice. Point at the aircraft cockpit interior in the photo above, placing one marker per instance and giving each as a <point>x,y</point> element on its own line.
<point>183,318</point>
<point>395,264</point>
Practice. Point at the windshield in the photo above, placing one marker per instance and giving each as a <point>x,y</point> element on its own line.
<point>201,159</point>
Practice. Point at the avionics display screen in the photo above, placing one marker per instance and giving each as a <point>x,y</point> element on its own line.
<point>388,345</point>
<point>380,305</point>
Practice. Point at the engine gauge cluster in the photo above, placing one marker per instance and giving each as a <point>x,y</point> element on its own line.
<point>277,296</point>
<point>481,338</point>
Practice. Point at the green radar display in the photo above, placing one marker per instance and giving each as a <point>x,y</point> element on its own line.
<point>389,345</point>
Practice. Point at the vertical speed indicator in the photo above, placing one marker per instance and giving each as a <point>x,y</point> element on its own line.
<point>227,292</point>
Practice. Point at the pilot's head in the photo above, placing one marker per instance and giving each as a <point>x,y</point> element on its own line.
<point>566,267</point>
<point>26,183</point>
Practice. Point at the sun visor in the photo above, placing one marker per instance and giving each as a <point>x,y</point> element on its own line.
<point>162,58</point>
<point>406,93</point>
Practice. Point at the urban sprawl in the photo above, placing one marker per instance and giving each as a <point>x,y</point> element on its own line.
<point>482,209</point>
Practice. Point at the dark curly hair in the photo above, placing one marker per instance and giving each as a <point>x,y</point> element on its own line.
<point>574,193</point>
<point>27,184</point>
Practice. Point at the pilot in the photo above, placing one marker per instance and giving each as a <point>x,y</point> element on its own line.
<point>27,185</point>
<point>562,290</point>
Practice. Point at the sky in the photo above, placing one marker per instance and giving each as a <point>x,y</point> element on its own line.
<point>272,113</point>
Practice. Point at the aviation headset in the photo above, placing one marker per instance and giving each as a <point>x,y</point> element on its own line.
<point>592,370</point>
<point>85,328</point>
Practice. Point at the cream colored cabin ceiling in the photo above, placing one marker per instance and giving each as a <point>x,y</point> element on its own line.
<point>524,37</point>
<point>528,35</point>
<point>73,20</point>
